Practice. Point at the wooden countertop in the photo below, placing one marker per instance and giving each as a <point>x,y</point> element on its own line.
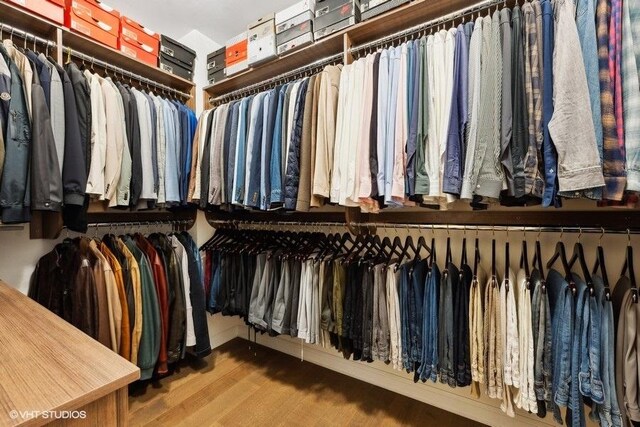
<point>48,365</point>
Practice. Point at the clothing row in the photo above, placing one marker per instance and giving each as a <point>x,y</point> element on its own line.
<point>142,297</point>
<point>69,135</point>
<point>535,341</point>
<point>489,110</point>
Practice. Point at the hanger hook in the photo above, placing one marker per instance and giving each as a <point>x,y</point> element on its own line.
<point>561,232</point>
<point>601,236</point>
<point>539,232</point>
<point>579,234</point>
<point>464,230</point>
<point>493,230</point>
<point>448,234</point>
<point>524,233</point>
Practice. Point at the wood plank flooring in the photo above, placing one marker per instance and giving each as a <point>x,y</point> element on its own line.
<point>234,387</point>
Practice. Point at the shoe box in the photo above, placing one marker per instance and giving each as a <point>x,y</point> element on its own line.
<point>216,76</point>
<point>294,26</point>
<point>52,10</point>
<point>328,20</point>
<point>371,8</point>
<point>261,40</point>
<point>236,54</point>
<point>303,40</point>
<point>338,26</point>
<point>176,58</point>
<point>93,19</point>
<point>139,42</point>
<point>216,61</point>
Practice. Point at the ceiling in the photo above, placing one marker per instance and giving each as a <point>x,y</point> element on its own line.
<point>217,19</point>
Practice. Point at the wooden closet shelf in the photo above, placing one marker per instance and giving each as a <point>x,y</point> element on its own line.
<point>31,23</point>
<point>403,17</point>
<point>89,47</point>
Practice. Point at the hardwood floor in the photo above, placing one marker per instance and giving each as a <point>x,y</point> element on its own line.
<point>237,388</point>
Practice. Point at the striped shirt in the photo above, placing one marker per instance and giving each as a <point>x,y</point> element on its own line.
<point>614,158</point>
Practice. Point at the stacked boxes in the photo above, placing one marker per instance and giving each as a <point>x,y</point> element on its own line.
<point>236,54</point>
<point>371,8</point>
<point>294,26</point>
<point>262,40</point>
<point>215,65</point>
<point>52,10</point>
<point>335,15</point>
<point>139,42</point>
<point>95,20</point>
<point>176,58</point>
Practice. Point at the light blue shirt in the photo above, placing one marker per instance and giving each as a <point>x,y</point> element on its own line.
<point>241,141</point>
<point>172,154</point>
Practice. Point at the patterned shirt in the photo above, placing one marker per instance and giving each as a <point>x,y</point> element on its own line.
<point>614,158</point>
<point>534,184</point>
<point>631,93</point>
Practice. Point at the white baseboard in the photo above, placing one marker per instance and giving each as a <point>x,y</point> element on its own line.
<point>485,410</point>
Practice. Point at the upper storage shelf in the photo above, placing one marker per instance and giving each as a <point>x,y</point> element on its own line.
<point>22,19</point>
<point>395,20</point>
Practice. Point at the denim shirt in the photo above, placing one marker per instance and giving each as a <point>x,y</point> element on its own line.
<point>241,143</point>
<point>575,410</point>
<point>253,153</point>
<point>276,194</point>
<point>549,155</point>
<point>454,156</point>
<point>269,115</point>
<point>590,379</point>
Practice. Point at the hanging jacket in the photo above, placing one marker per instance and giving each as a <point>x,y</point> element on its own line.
<point>151,327</point>
<point>203,345</point>
<point>14,192</point>
<point>176,302</point>
<point>46,180</point>
<point>74,175</point>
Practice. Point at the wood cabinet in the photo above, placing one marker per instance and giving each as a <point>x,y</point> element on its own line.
<point>52,373</point>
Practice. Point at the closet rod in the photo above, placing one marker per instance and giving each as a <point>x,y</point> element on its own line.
<point>136,223</point>
<point>420,27</point>
<point>123,72</point>
<point>390,225</point>
<point>239,93</point>
<point>24,35</point>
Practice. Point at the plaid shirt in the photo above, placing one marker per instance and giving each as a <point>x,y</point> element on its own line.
<point>614,158</point>
<point>534,183</point>
<point>631,93</point>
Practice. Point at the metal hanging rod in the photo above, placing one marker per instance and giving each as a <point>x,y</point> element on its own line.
<point>136,223</point>
<point>274,81</point>
<point>425,25</point>
<point>122,71</point>
<point>428,227</point>
<point>24,35</point>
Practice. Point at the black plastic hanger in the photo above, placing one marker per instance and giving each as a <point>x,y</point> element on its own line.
<point>408,244</point>
<point>463,256</point>
<point>601,265</point>
<point>476,259</point>
<point>628,267</point>
<point>432,257</point>
<point>561,253</point>
<point>524,262</point>
<point>578,255</point>
<point>507,260</point>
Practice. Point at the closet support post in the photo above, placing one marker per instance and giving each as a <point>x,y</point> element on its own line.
<point>347,44</point>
